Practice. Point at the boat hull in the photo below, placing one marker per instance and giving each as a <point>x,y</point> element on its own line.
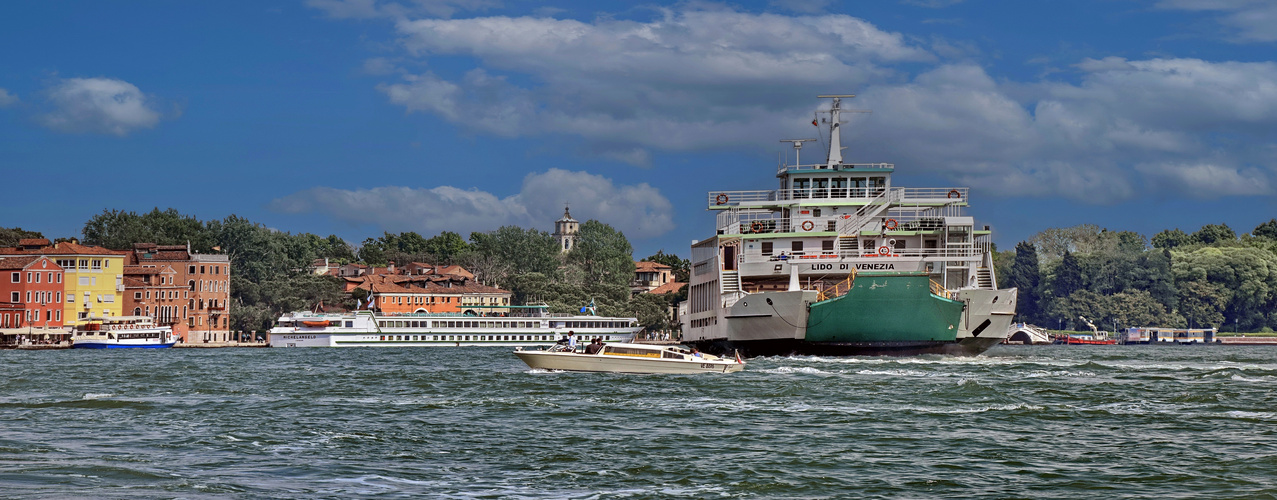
<point>114,345</point>
<point>546,360</point>
<point>894,312</point>
<point>788,347</point>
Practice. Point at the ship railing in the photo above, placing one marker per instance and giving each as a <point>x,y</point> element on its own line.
<point>905,196</point>
<point>812,256</point>
<point>940,291</point>
<point>845,167</point>
<point>839,289</point>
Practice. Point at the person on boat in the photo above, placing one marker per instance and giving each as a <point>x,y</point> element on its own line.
<point>783,256</point>
<point>571,341</point>
<point>696,352</point>
<point>595,346</point>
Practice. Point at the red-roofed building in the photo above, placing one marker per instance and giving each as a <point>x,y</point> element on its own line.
<point>94,278</point>
<point>31,292</point>
<point>649,276</point>
<point>188,290</point>
<point>454,292</point>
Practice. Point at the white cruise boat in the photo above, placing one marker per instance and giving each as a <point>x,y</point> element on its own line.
<point>524,326</point>
<point>630,358</point>
<point>122,332</point>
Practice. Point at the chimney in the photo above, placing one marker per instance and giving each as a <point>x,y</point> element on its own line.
<point>390,268</point>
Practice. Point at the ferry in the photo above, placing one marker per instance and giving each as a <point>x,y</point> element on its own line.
<point>1166,336</point>
<point>521,326</point>
<point>839,261</point>
<point>114,332</point>
<point>629,358</point>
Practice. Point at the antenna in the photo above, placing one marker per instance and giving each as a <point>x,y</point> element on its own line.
<point>835,132</point>
<point>798,147</point>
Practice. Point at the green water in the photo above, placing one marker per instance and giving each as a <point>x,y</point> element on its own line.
<point>1027,422</point>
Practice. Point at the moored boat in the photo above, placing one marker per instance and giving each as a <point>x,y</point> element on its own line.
<point>629,358</point>
<point>115,332</point>
<point>516,326</point>
<point>838,261</point>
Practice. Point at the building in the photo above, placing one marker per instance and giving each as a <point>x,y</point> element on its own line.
<point>31,289</point>
<point>453,292</point>
<point>565,231</point>
<point>649,276</point>
<point>94,277</point>
<point>204,283</point>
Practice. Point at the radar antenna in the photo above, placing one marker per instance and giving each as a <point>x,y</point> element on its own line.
<point>798,147</point>
<point>835,131</point>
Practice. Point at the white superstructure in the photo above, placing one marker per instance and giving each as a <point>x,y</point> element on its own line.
<point>527,326</point>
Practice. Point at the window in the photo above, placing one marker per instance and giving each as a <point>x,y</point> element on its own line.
<point>59,297</point>
<point>827,245</point>
<point>767,248</point>
<point>84,264</point>
<point>57,315</point>
<point>17,277</point>
<point>148,294</point>
<point>201,269</point>
<point>59,277</point>
<point>796,246</point>
<point>97,264</point>
<point>28,297</point>
<point>16,297</point>
<point>192,270</point>
<point>50,276</point>
<point>29,277</point>
<point>37,277</point>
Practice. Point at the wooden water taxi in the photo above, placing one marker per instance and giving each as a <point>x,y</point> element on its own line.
<point>629,358</point>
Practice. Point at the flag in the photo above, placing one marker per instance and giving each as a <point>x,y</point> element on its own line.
<point>813,123</point>
<point>738,360</point>
<point>589,308</point>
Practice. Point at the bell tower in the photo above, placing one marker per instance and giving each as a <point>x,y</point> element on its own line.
<point>565,230</point>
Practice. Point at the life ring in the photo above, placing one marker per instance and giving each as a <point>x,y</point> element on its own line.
<point>953,193</point>
<point>722,199</point>
<point>808,225</point>
<point>757,226</point>
<point>884,250</point>
<point>890,224</point>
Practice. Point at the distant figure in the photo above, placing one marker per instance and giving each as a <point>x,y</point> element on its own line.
<point>594,347</point>
<point>696,352</point>
<point>571,340</point>
<point>783,256</point>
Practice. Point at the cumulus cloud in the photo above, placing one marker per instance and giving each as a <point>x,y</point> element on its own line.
<point>640,210</point>
<point>1250,20</point>
<point>98,105</point>
<point>6,98</point>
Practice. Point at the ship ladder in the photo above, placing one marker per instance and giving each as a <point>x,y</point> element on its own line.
<point>839,289</point>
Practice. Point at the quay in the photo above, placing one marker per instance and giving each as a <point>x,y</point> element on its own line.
<point>1244,340</point>
<point>219,344</point>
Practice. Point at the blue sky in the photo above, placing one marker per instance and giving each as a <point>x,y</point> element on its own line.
<point>353,117</point>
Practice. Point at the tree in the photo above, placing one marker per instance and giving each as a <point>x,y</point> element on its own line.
<point>1214,233</point>
<point>1202,304</point>
<point>1068,276</point>
<point>517,250</point>
<point>446,247</point>
<point>603,254</point>
<point>1171,238</point>
<point>1025,276</point>
<point>1266,230</point>
<point>117,229</point>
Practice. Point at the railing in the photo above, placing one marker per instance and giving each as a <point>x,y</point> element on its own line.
<point>940,291</point>
<point>967,253</point>
<point>837,168</point>
<point>906,196</point>
<point>839,289</point>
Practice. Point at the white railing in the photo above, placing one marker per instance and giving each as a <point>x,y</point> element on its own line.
<point>845,167</point>
<point>906,196</point>
<point>967,253</point>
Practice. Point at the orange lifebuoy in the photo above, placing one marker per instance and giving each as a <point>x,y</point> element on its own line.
<point>808,225</point>
<point>884,250</point>
<point>954,194</point>
<point>721,199</point>
<point>757,226</point>
<point>890,224</point>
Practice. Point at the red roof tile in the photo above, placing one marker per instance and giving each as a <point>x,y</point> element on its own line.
<point>671,287</point>
<point>650,267</point>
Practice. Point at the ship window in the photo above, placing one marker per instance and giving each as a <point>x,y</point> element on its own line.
<point>815,212</point>
<point>801,188</point>
<point>796,245</point>
<point>767,248</point>
<point>827,245</point>
<point>867,244</point>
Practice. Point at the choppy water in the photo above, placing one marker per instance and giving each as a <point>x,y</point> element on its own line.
<point>1034,422</point>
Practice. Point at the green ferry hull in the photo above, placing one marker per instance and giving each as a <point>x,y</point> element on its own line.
<point>885,308</point>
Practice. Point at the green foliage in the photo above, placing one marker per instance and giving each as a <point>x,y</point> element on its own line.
<point>602,254</point>
<point>1068,276</point>
<point>1025,276</point>
<point>1171,238</point>
<point>446,247</point>
<point>1266,230</point>
<point>514,250</point>
<point>1214,233</point>
<point>9,236</point>
<point>119,230</point>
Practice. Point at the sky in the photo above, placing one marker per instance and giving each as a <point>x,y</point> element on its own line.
<point>358,117</point>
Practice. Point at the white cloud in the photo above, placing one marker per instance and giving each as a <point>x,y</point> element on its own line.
<point>1251,20</point>
<point>1205,180</point>
<point>98,105</point>
<point>640,211</point>
<point>367,9</point>
<point>6,98</point>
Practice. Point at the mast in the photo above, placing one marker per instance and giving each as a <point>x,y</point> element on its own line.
<point>835,132</point>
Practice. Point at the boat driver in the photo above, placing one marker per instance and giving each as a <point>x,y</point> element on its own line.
<point>571,340</point>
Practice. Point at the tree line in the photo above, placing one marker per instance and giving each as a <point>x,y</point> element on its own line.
<point>271,270</point>
<point>1118,279</point>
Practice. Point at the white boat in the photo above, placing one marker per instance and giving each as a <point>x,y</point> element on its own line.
<point>840,261</point>
<point>122,332</point>
<point>522,326</point>
<point>630,358</point>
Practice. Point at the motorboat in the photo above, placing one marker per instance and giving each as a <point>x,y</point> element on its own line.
<point>621,357</point>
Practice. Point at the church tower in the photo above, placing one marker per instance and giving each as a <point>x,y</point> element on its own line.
<point>565,230</point>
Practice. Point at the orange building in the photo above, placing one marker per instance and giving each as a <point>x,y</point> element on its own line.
<point>31,291</point>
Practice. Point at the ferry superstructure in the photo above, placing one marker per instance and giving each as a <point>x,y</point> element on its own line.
<point>524,326</point>
<point>839,261</point>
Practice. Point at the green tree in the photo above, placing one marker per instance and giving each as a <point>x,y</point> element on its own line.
<point>602,254</point>
<point>1214,233</point>
<point>1266,230</point>
<point>1202,304</point>
<point>517,250</point>
<point>1025,275</point>
<point>446,247</point>
<point>1171,238</point>
<point>1068,276</point>
<point>117,229</point>
<point>652,311</point>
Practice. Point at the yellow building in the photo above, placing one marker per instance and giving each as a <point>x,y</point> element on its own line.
<point>94,278</point>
